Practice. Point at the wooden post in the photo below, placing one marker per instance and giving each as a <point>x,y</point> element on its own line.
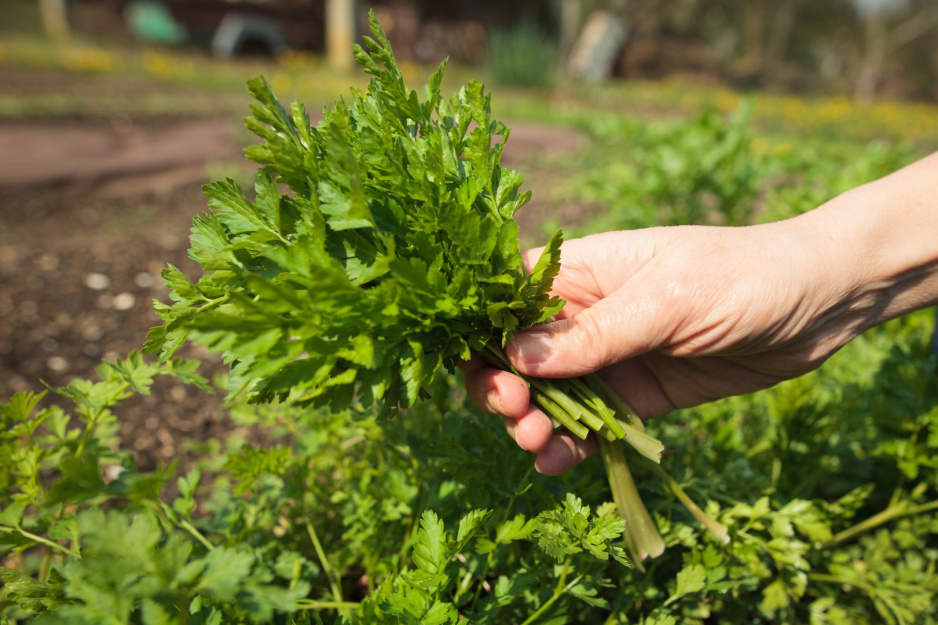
<point>341,28</point>
<point>54,17</point>
<point>569,25</point>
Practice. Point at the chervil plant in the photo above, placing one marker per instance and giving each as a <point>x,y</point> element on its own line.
<point>391,252</point>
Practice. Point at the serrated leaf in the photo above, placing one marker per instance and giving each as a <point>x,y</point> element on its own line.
<point>690,580</point>
<point>468,526</point>
<point>430,552</point>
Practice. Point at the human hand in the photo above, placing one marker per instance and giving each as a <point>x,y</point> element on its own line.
<point>674,317</point>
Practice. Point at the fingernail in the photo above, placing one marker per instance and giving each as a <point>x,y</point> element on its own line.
<point>494,402</point>
<point>510,427</point>
<point>531,347</point>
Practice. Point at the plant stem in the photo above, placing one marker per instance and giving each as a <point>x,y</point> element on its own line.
<point>559,591</point>
<point>333,580</point>
<point>6,529</point>
<point>893,512</point>
<point>642,539</point>
<point>555,411</point>
<point>716,528</point>
<point>570,400</point>
<point>195,533</point>
<point>45,564</point>
<point>310,604</point>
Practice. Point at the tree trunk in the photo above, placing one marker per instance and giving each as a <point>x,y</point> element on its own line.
<point>569,25</point>
<point>875,49</point>
<point>754,27</point>
<point>341,28</point>
<point>54,16</point>
<point>780,34</point>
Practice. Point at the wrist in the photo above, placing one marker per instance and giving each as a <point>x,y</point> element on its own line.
<point>881,242</point>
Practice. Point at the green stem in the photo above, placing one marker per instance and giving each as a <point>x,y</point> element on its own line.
<point>642,539</point>
<point>6,529</point>
<point>559,592</point>
<point>564,401</point>
<point>559,399</point>
<point>716,528</point>
<point>561,415</point>
<point>612,398</point>
<point>324,562</point>
<point>893,512</point>
<point>309,604</point>
<point>867,588</point>
<point>93,417</point>
<point>195,533</point>
<point>44,565</point>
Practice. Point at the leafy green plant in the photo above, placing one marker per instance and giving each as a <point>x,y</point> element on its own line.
<point>524,56</point>
<point>827,486</point>
<point>714,169</point>
<point>702,170</point>
<point>395,254</point>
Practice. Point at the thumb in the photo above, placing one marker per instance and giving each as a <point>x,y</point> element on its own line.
<point>593,338</point>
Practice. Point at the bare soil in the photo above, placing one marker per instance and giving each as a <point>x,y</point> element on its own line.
<point>91,210</point>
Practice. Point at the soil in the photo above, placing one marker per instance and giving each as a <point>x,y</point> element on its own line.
<point>91,210</point>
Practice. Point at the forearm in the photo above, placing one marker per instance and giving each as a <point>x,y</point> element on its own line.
<point>880,240</point>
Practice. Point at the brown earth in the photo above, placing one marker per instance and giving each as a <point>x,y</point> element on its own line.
<point>91,210</point>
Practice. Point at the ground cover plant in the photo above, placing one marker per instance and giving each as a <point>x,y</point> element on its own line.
<point>826,486</point>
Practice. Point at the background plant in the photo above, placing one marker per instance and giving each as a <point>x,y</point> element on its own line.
<point>711,168</point>
<point>523,56</point>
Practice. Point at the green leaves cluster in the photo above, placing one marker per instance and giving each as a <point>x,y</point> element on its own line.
<point>359,523</point>
<point>393,252</point>
<point>340,524</point>
<point>711,168</point>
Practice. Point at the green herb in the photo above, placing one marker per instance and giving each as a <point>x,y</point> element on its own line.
<point>393,254</point>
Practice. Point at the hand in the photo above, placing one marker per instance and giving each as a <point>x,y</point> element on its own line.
<point>674,317</point>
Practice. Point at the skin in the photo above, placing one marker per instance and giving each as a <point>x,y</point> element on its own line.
<point>675,317</point>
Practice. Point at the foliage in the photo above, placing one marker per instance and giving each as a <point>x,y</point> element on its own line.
<point>712,169</point>
<point>523,56</point>
<point>827,484</point>
<point>395,251</point>
<point>697,171</point>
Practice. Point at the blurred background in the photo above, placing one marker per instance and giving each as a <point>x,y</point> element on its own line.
<point>624,114</point>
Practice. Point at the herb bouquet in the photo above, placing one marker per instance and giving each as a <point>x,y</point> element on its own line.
<point>393,253</point>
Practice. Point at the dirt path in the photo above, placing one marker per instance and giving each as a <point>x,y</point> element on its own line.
<point>113,158</point>
<point>120,157</point>
<point>90,213</point>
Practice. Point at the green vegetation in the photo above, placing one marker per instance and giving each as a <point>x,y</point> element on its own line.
<point>712,169</point>
<point>827,485</point>
<point>395,253</point>
<point>524,56</point>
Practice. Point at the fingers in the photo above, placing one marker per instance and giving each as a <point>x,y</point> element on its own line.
<point>492,390</point>
<point>504,393</point>
<point>609,331</point>
<point>557,451</point>
<point>532,430</point>
<point>563,452</point>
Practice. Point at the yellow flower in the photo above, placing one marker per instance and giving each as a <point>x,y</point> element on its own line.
<point>90,60</point>
<point>280,82</point>
<point>156,64</point>
<point>759,146</point>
